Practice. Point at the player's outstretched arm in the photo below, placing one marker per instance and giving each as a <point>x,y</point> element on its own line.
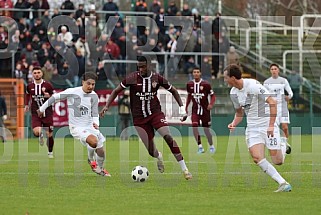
<point>111,98</point>
<point>54,98</point>
<point>238,117</point>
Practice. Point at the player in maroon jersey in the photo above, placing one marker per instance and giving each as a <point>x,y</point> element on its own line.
<point>198,91</point>
<point>146,111</point>
<point>37,93</point>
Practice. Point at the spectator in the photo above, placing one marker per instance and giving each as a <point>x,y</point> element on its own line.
<point>172,9</point>
<point>65,36</point>
<point>186,11</point>
<point>44,5</point>
<point>39,29</point>
<point>34,5</point>
<point>295,81</point>
<point>45,19</point>
<point>6,4</point>
<point>29,54</point>
<point>141,6</point>
<point>197,18</point>
<point>19,74</point>
<point>56,12</point>
<point>44,54</point>
<point>232,56</point>
<point>218,26</point>
<point>206,27</point>
<point>20,4</point>
<point>48,70</point>
<point>160,21</point>
<point>155,7</point>
<point>80,11</point>
<point>189,66</point>
<point>67,5</point>
<point>3,117</point>
<point>110,6</point>
<point>36,43</point>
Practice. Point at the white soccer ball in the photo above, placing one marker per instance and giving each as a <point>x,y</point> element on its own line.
<point>140,174</point>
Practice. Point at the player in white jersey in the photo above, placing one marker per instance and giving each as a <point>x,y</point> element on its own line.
<point>277,86</point>
<point>84,119</point>
<point>249,96</point>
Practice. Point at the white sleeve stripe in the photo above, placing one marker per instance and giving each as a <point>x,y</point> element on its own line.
<point>170,87</point>
<point>122,85</point>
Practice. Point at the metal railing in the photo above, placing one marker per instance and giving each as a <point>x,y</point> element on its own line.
<point>195,54</point>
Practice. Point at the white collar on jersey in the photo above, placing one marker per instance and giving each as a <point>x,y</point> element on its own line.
<point>198,82</point>
<point>39,83</point>
<point>147,76</point>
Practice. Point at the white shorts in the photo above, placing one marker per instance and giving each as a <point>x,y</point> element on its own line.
<point>283,114</point>
<point>81,133</point>
<point>257,135</point>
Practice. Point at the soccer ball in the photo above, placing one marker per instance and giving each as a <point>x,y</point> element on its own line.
<point>140,174</point>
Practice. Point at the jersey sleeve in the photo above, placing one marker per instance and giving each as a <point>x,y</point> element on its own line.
<point>288,88</point>
<point>128,80</point>
<point>234,99</point>
<point>164,82</point>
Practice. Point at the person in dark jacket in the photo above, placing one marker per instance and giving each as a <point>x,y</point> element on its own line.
<point>3,117</point>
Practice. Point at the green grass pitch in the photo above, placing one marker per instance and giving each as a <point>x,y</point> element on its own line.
<point>224,183</point>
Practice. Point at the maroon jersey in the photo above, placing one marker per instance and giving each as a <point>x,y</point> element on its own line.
<point>199,91</point>
<point>35,92</point>
<point>143,93</point>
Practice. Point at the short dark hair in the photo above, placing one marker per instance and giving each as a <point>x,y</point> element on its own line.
<point>274,64</point>
<point>89,75</point>
<point>197,68</point>
<point>36,68</point>
<point>141,59</point>
<point>234,70</point>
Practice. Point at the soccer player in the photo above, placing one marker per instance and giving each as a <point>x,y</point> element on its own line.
<point>84,119</point>
<point>37,93</point>
<point>146,111</point>
<point>249,96</point>
<point>276,85</point>
<point>198,91</point>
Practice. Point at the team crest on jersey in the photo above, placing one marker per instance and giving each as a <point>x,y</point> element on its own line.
<point>201,87</point>
<point>154,84</point>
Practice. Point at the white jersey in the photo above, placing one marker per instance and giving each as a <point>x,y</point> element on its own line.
<point>276,86</point>
<point>82,107</point>
<point>252,99</point>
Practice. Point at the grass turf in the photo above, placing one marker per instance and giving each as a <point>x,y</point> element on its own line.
<point>224,183</point>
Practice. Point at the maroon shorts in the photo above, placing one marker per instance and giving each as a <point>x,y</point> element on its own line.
<point>204,120</point>
<point>146,127</point>
<point>45,122</point>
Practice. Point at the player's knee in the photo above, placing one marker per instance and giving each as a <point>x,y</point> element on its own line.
<point>194,124</point>
<point>277,161</point>
<point>92,141</point>
<point>256,160</point>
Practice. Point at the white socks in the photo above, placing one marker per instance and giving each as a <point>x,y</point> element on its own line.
<point>100,161</point>
<point>160,156</point>
<point>91,152</point>
<point>183,165</point>
<point>267,167</point>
